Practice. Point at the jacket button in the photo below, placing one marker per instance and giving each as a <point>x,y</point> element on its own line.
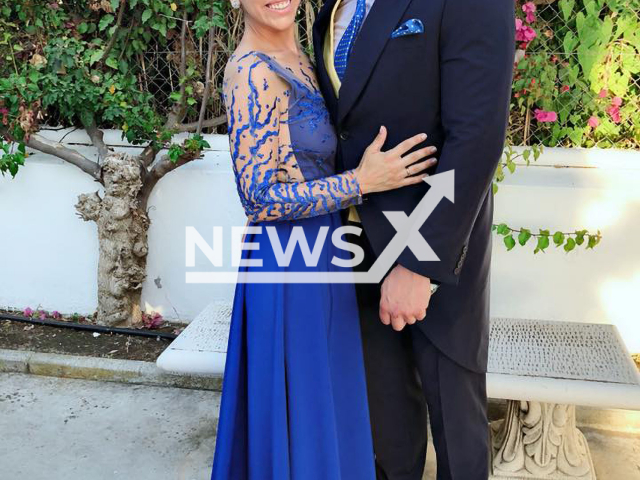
<point>344,135</point>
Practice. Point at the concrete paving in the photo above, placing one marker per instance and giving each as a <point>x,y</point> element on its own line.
<point>68,429</point>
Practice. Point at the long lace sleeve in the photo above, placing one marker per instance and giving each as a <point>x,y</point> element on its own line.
<point>269,180</point>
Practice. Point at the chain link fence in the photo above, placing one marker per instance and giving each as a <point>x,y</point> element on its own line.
<point>576,81</point>
<point>159,69</point>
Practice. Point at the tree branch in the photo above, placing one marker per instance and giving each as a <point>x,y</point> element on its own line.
<point>148,155</point>
<point>207,83</point>
<point>178,111</point>
<point>97,138</point>
<point>114,37</point>
<point>210,123</point>
<point>159,170</point>
<point>56,149</point>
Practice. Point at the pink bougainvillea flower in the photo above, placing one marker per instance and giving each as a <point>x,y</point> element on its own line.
<point>545,116</point>
<point>593,122</point>
<point>565,88</point>
<point>529,34</point>
<point>524,33</point>
<point>152,320</point>
<point>529,9</point>
<point>603,93</point>
<point>616,101</point>
<point>56,314</point>
<point>27,312</point>
<point>519,27</point>
<point>614,113</point>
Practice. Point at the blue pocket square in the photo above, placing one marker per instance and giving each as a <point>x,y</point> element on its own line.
<point>410,27</point>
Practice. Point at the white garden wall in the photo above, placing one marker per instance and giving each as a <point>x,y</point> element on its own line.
<point>49,255</point>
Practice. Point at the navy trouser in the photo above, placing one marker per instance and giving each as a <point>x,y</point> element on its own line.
<point>408,376</point>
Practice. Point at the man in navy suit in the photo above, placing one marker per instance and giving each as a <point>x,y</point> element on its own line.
<point>443,67</point>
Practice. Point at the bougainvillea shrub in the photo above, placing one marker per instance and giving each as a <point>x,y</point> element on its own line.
<point>577,77</point>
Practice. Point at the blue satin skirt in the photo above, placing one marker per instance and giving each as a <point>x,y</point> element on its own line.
<point>294,400</point>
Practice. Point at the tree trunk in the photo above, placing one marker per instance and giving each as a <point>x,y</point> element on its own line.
<point>122,234</point>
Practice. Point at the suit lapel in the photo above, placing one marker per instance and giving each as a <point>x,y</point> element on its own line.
<point>375,32</point>
<point>320,27</point>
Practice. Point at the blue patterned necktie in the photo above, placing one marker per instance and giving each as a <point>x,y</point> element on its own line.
<point>348,38</point>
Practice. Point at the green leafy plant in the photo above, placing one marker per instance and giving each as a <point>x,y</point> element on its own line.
<point>82,63</point>
<point>513,237</point>
<point>577,79</point>
<point>567,240</point>
<point>510,156</point>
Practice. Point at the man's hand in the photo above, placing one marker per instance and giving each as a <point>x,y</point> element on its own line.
<point>404,298</point>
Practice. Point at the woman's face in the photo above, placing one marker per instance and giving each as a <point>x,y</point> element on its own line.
<point>274,14</point>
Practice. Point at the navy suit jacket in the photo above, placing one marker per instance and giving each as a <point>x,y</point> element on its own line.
<point>453,82</point>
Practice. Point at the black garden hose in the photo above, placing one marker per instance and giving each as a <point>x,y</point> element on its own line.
<point>88,327</point>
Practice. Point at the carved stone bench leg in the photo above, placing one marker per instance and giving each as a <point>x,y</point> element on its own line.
<point>540,441</point>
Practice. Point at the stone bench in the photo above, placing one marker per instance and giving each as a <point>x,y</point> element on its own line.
<point>542,368</point>
<point>201,349</point>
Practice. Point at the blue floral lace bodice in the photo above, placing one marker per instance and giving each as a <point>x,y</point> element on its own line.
<point>282,143</point>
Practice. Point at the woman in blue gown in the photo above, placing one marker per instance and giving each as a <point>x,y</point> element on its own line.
<point>294,402</point>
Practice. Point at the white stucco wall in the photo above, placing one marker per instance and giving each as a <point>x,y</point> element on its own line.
<point>49,255</point>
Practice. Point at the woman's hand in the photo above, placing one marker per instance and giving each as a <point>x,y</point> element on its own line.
<point>380,171</point>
